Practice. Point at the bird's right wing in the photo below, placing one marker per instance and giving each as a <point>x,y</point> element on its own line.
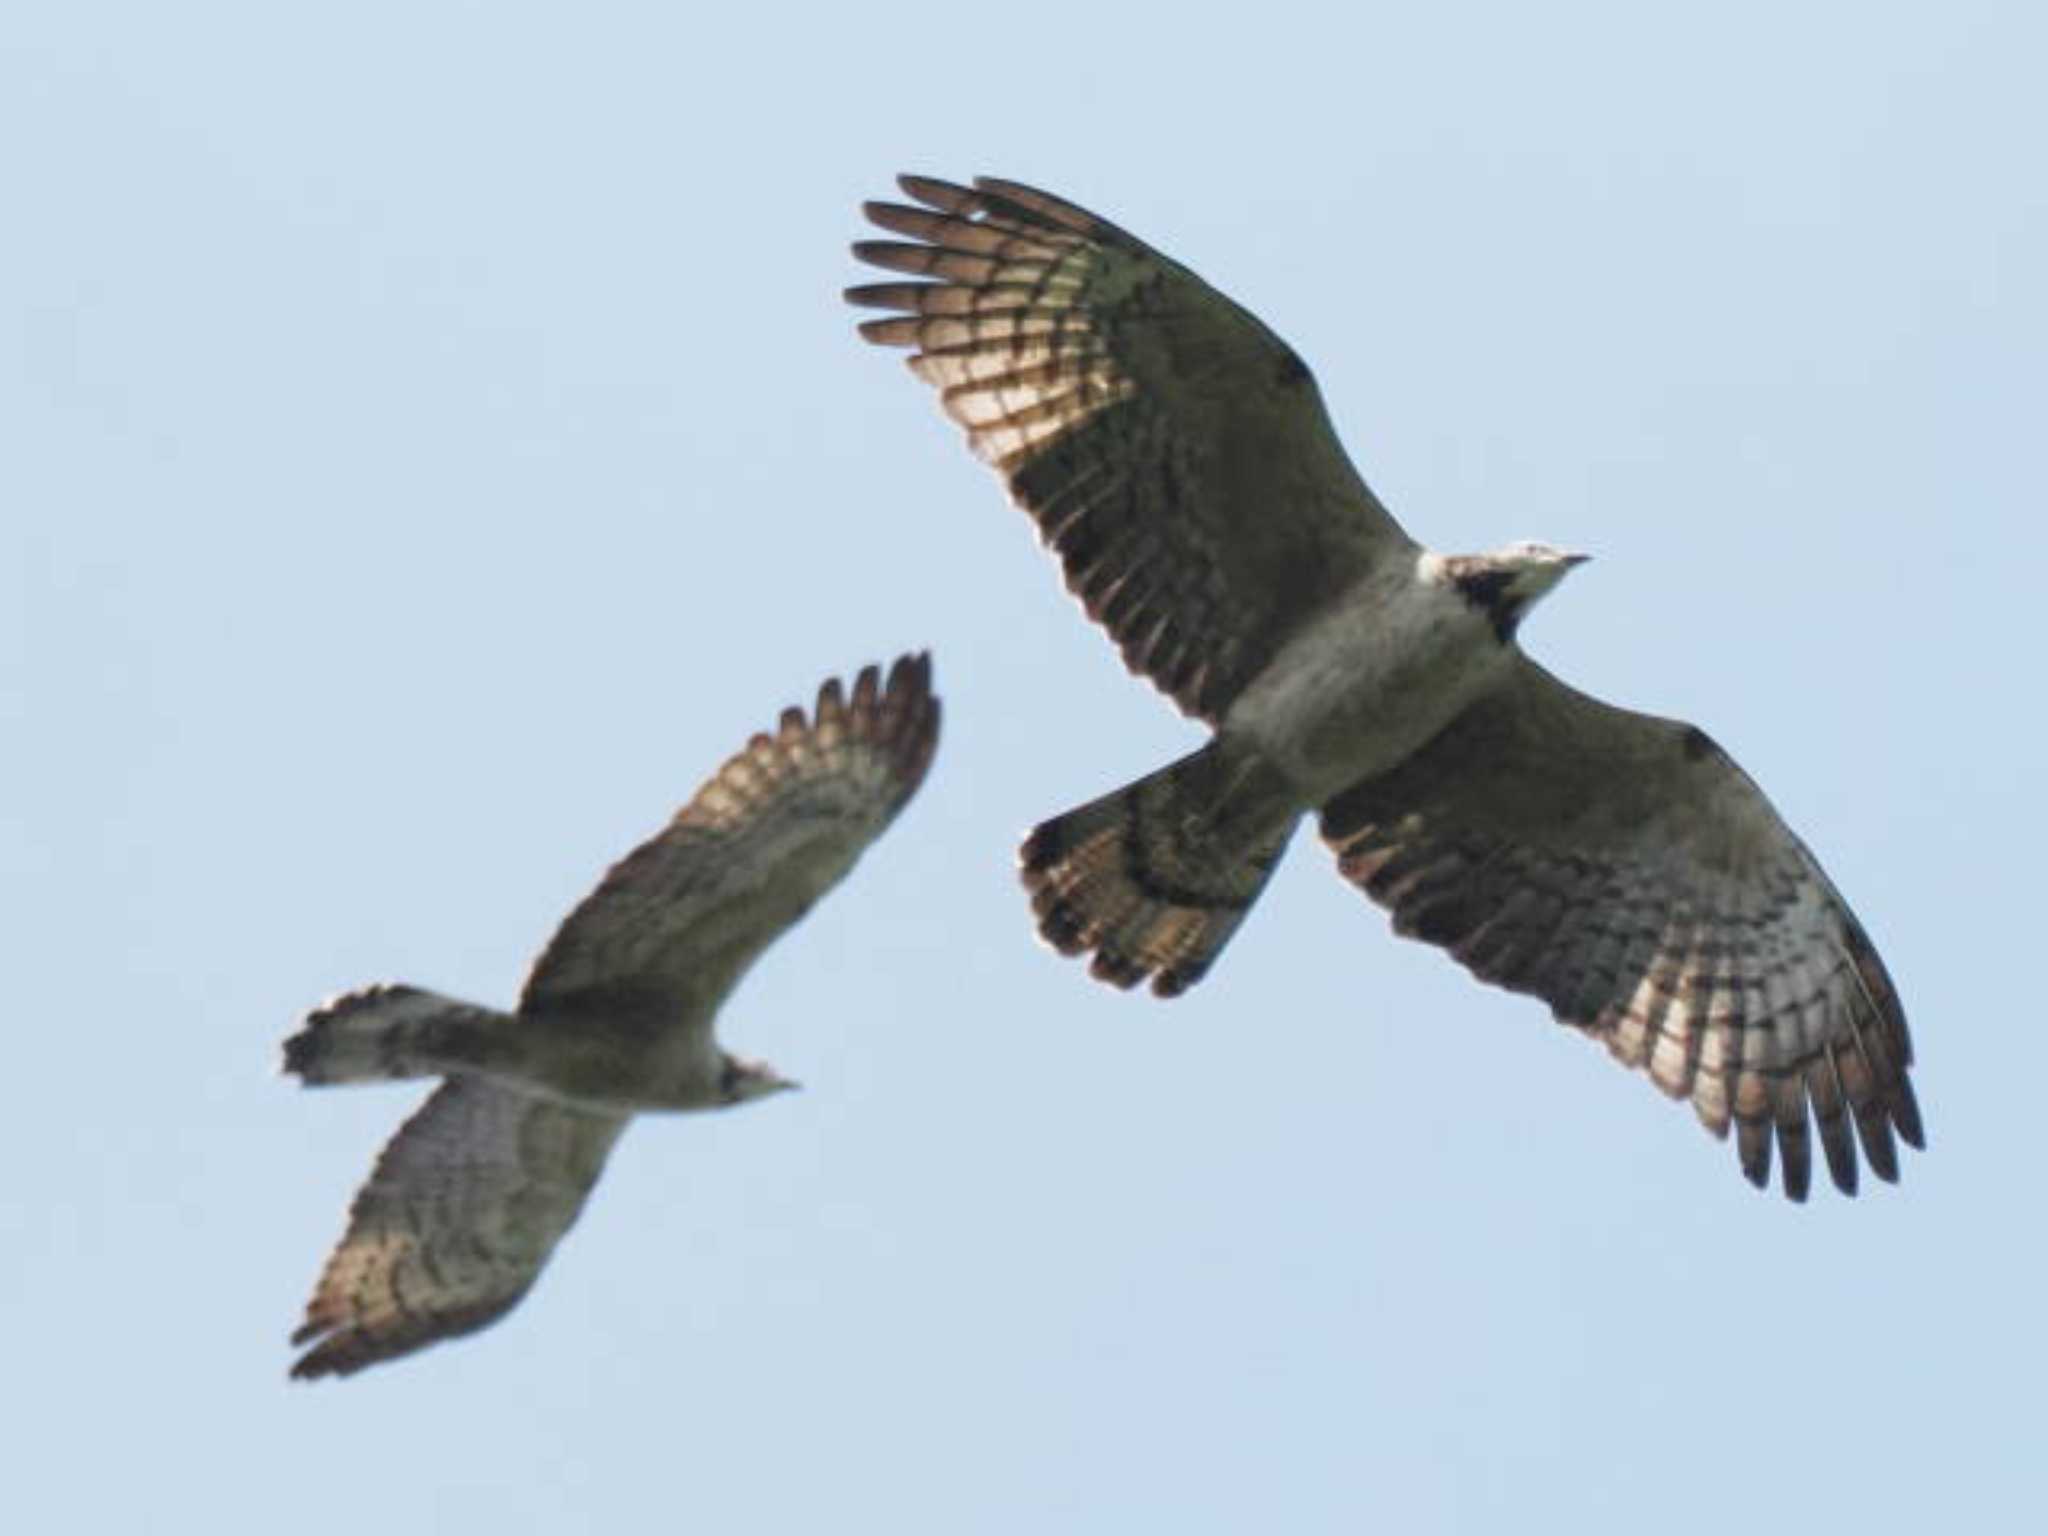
<point>463,1209</point>
<point>674,924</point>
<point>1174,452</point>
<point>1626,871</point>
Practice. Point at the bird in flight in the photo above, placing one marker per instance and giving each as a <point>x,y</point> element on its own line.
<point>470,1197</point>
<point>1177,459</point>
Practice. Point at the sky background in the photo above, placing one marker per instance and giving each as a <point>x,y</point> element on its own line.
<point>431,439</point>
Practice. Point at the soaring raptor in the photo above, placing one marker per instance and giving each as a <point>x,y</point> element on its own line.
<point>472,1194</point>
<point>1177,459</point>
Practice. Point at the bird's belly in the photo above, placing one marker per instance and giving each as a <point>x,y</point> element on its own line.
<point>1356,694</point>
<point>624,1063</point>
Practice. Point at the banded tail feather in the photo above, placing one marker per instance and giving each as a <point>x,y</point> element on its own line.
<point>1154,878</point>
<point>388,1032</point>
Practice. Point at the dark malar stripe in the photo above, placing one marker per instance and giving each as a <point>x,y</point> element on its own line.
<point>1491,592</point>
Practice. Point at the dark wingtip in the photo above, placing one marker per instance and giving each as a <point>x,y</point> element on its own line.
<point>1753,1147</point>
<point>1875,1132</point>
<point>912,672</point>
<point>1906,1115</point>
<point>1843,1172</point>
<point>327,1358</point>
<point>1115,969</point>
<point>932,191</point>
<point>1175,980</point>
<point>1061,929</point>
<point>1040,850</point>
<point>867,684</point>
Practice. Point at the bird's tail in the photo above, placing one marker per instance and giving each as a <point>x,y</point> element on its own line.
<point>385,1032</point>
<point>1156,877</point>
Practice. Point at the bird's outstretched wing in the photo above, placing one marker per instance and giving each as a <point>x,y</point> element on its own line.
<point>675,923</point>
<point>465,1205</point>
<point>1174,452</point>
<point>1626,871</point>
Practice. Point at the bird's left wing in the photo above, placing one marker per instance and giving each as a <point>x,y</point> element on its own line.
<point>463,1209</point>
<point>674,924</point>
<point>1626,871</point>
<point>1173,451</point>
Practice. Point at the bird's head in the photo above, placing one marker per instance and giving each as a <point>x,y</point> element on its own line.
<point>740,1080</point>
<point>1505,583</point>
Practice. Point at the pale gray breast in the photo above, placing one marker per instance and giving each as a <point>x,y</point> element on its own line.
<point>1368,683</point>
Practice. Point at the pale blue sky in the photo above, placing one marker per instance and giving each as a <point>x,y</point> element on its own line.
<point>434,439</point>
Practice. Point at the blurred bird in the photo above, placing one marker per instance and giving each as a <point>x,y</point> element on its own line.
<point>470,1197</point>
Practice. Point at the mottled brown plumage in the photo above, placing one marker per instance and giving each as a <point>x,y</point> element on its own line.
<point>468,1200</point>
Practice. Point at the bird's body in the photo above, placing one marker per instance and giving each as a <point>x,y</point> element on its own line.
<point>468,1200</point>
<point>1178,460</point>
<point>1357,690</point>
<point>619,1059</point>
